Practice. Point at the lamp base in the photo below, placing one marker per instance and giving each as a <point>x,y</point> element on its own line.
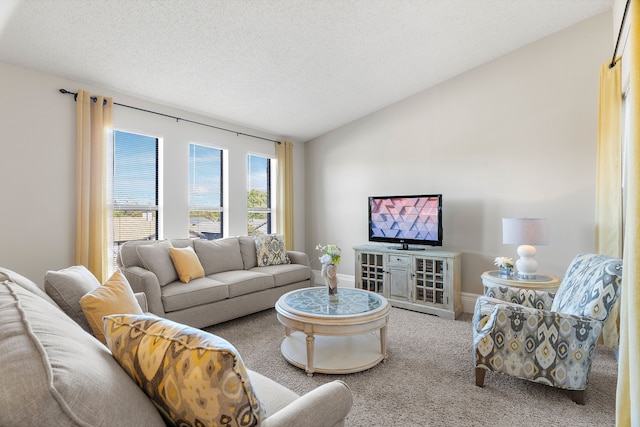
<point>526,264</point>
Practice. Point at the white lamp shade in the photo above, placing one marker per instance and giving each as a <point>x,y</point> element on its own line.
<point>525,231</point>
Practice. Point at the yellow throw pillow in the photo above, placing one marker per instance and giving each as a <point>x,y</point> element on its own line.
<point>186,263</point>
<point>113,297</point>
<point>193,377</point>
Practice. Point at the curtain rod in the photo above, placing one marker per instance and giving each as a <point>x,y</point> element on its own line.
<point>95,99</point>
<point>615,50</point>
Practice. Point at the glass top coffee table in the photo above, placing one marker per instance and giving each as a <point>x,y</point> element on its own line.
<point>333,337</point>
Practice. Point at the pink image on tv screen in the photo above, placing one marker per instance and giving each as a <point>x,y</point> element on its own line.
<point>405,218</point>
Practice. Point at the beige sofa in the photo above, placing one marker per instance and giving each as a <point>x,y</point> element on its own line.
<point>234,285</point>
<point>54,373</point>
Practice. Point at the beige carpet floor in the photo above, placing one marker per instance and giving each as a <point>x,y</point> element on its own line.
<point>429,378</point>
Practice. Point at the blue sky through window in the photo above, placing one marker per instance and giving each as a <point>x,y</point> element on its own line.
<point>135,172</point>
<point>205,171</point>
<point>257,179</point>
<point>134,169</point>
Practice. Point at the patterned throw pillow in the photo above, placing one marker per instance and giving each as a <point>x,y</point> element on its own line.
<point>194,378</point>
<point>186,263</point>
<point>270,250</point>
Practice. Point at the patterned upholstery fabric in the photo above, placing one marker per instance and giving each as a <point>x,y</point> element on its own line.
<point>590,287</point>
<point>527,297</point>
<point>270,250</point>
<point>194,378</point>
<point>544,338</point>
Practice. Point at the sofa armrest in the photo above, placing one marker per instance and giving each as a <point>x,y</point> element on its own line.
<point>142,280</point>
<point>298,257</point>
<point>327,405</point>
<point>141,297</point>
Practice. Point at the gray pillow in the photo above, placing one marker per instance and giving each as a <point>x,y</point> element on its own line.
<point>67,286</point>
<point>248,251</point>
<point>219,255</point>
<point>155,258</point>
<point>54,373</point>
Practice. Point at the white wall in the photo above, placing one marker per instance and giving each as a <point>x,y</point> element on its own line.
<point>513,137</point>
<point>37,160</point>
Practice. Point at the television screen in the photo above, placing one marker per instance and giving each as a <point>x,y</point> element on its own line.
<point>406,220</point>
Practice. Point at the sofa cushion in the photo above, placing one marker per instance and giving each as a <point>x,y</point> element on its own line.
<point>114,297</point>
<point>20,280</point>
<point>155,258</point>
<point>241,282</point>
<point>182,243</point>
<point>186,263</point>
<point>286,274</point>
<point>193,377</point>
<point>177,296</point>
<point>219,255</point>
<point>128,253</point>
<point>270,250</point>
<point>67,286</point>
<point>248,251</point>
<point>55,373</point>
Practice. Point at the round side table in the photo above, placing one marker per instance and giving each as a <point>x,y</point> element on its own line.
<point>542,282</point>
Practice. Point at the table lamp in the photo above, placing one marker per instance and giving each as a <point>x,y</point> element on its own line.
<point>525,232</point>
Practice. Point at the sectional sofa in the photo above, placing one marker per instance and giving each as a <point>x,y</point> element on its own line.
<point>240,276</point>
<point>55,373</point>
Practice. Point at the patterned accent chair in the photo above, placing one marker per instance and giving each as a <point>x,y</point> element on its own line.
<point>547,338</point>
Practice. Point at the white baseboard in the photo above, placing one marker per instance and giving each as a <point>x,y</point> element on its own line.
<point>468,301</point>
<point>344,280</point>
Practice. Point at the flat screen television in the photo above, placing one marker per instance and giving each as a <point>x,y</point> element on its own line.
<point>406,220</point>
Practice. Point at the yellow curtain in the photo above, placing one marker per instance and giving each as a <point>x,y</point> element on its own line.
<point>609,179</point>
<point>628,393</point>
<point>609,168</point>
<point>284,192</point>
<point>94,119</point>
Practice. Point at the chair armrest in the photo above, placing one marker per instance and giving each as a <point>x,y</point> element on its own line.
<point>298,257</point>
<point>142,280</point>
<point>488,309</point>
<point>327,405</point>
<point>542,300</point>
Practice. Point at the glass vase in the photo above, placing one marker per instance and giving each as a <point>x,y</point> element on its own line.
<point>505,272</point>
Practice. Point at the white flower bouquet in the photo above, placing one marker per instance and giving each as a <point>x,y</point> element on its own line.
<point>504,262</point>
<point>330,254</point>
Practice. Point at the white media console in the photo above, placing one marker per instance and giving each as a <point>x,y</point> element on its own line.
<point>428,281</point>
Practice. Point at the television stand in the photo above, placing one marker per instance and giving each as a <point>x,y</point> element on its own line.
<point>404,247</point>
<point>427,281</point>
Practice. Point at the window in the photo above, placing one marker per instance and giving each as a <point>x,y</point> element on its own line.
<point>134,189</point>
<point>258,195</point>
<point>205,192</point>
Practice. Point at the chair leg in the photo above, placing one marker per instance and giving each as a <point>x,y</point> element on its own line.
<point>480,376</point>
<point>577,396</point>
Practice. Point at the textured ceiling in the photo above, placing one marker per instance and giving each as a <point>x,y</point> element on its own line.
<point>293,68</point>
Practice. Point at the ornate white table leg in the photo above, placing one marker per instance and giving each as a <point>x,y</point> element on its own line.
<point>310,340</point>
<point>287,331</point>
<point>383,342</point>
